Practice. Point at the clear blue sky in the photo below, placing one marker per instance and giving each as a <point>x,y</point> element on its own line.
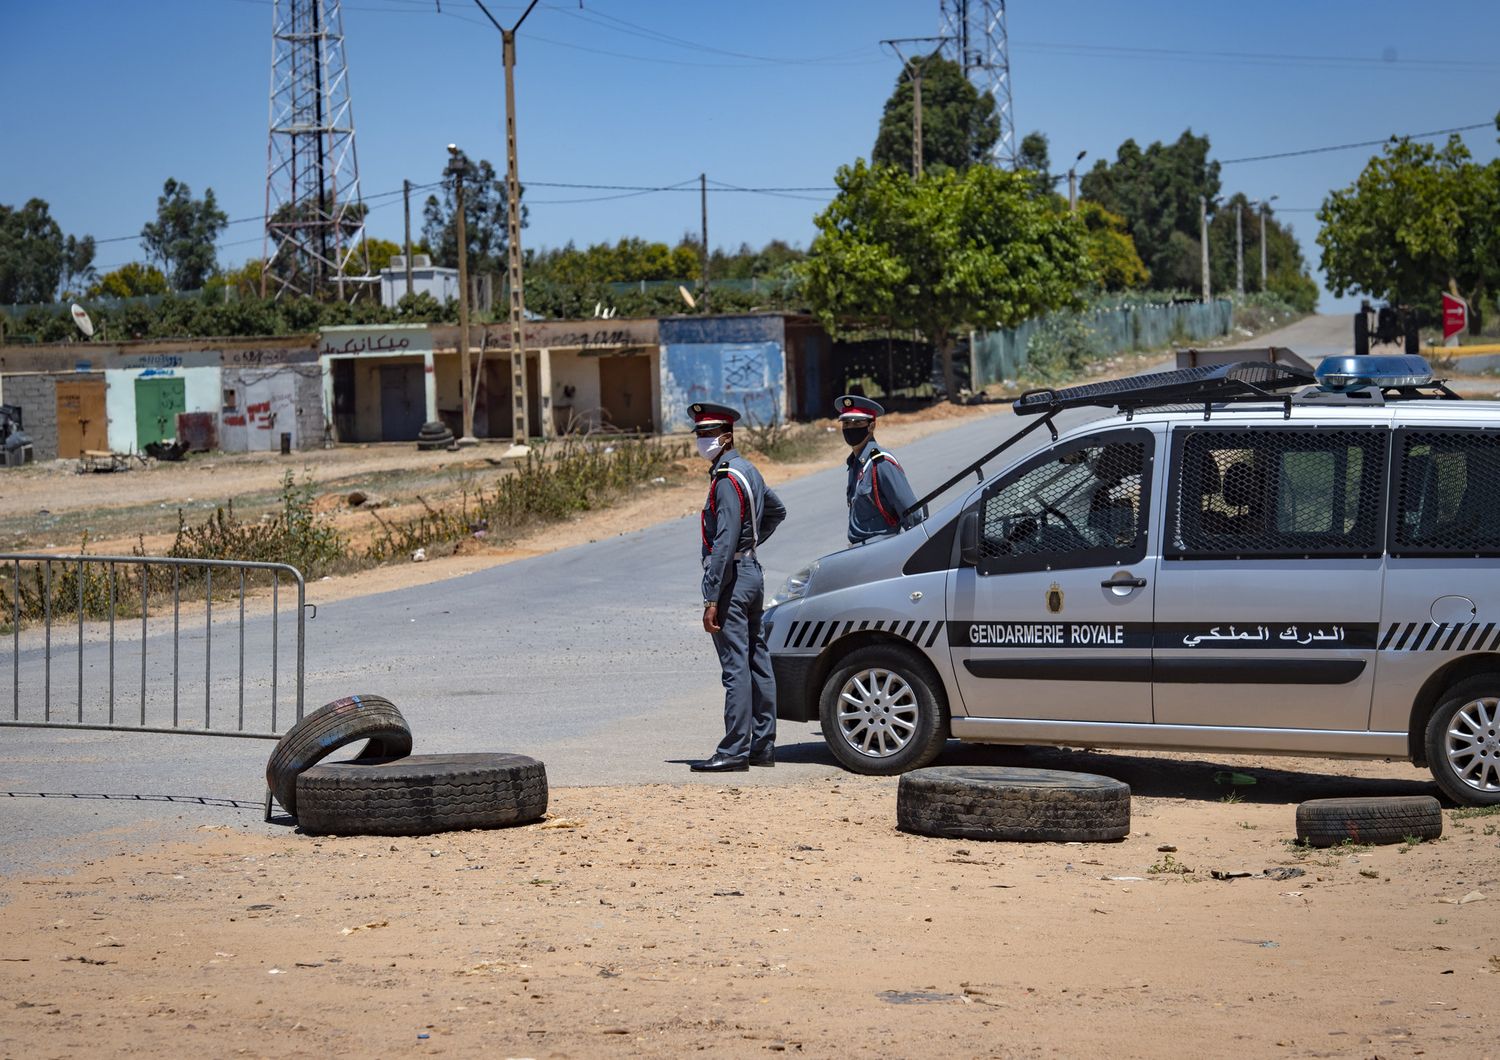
<point>107,98</point>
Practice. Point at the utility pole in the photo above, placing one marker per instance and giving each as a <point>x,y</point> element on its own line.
<point>455,167</point>
<point>1239,249</point>
<point>1265,205</point>
<point>1073,183</point>
<point>1203,241</point>
<point>519,431</point>
<point>913,69</point>
<point>703,205</point>
<point>406,199</point>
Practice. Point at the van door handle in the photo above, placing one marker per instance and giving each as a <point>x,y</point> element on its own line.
<point>1124,583</point>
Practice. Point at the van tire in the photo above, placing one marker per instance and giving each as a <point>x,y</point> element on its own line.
<point>421,794</point>
<point>1328,822</point>
<point>1480,693</point>
<point>325,730</point>
<point>1022,805</point>
<point>909,692</point>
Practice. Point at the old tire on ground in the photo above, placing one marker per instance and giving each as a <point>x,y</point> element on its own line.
<point>1463,741</point>
<point>883,711</point>
<point>421,794</point>
<point>1328,822</point>
<point>1001,802</point>
<point>325,730</point>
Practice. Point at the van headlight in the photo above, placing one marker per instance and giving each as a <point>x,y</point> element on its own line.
<point>795,587</point>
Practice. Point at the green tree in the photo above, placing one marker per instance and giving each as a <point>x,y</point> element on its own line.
<point>1286,270</point>
<point>33,253</point>
<point>182,237</point>
<point>1419,219</point>
<point>976,248</point>
<point>78,265</point>
<point>130,281</point>
<point>484,219</point>
<point>1034,156</point>
<point>959,124</point>
<point>1111,250</point>
<point>1157,192</point>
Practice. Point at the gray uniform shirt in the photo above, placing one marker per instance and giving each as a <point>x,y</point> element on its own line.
<point>726,530</point>
<point>877,493</point>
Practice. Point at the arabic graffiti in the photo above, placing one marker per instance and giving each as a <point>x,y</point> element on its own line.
<point>386,344</point>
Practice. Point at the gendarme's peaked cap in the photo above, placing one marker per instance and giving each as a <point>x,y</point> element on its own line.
<point>706,414</point>
<point>855,407</point>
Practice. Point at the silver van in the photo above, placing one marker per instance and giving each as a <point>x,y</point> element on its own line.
<point>1245,558</point>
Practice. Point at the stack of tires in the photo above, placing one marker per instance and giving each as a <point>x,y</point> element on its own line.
<point>434,435</point>
<point>387,790</point>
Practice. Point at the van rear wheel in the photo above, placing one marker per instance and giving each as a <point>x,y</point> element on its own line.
<point>1463,742</point>
<point>883,711</point>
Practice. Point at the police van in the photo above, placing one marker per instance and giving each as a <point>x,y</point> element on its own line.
<point>1246,558</point>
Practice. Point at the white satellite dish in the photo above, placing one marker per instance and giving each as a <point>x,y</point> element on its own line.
<point>687,296</point>
<point>597,307</point>
<point>81,318</point>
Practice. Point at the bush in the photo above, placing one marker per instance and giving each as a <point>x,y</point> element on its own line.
<point>1061,347</point>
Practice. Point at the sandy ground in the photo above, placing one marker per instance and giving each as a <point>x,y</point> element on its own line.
<point>667,920</point>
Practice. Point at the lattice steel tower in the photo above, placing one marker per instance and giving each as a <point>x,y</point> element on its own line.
<point>975,38</point>
<point>314,215</point>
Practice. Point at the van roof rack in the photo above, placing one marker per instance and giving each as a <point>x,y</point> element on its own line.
<point>1209,384</point>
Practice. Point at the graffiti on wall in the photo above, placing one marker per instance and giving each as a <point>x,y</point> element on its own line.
<point>749,376</point>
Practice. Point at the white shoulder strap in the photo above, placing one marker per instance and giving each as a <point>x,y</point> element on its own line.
<point>879,454</point>
<point>750,500</point>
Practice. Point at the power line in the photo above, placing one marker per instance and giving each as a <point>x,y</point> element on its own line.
<point>1362,143</point>
<point>1256,58</point>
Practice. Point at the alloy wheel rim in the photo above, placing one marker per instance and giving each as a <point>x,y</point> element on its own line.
<point>1472,744</point>
<point>878,712</point>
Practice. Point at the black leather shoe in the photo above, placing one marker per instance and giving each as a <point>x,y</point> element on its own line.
<point>765,758</point>
<point>720,764</point>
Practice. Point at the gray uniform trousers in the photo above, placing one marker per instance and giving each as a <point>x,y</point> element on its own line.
<point>749,687</point>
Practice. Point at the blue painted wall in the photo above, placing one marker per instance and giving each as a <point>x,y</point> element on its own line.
<point>735,361</point>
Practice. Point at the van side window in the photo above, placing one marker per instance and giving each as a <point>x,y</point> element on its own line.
<point>1084,504</point>
<point>1447,493</point>
<point>1273,491</point>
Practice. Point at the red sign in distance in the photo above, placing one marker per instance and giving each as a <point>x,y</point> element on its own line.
<point>1455,316</point>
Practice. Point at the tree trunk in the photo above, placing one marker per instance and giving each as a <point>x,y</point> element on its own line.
<point>946,348</point>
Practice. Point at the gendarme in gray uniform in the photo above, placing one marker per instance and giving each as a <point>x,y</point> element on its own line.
<point>732,578</point>
<point>877,492</point>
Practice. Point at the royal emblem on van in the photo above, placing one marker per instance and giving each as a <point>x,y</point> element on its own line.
<point>1055,599</point>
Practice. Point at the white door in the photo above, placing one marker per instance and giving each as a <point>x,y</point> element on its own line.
<point>1055,622</point>
<point>1268,591</point>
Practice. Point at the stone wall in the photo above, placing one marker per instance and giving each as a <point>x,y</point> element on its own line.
<point>37,396</point>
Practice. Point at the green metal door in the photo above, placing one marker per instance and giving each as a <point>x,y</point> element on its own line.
<point>157,403</point>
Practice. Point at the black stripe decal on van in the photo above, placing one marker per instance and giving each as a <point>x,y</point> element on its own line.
<point>937,627</point>
<point>828,637</point>
<point>1457,629</point>
<point>1402,642</point>
<point>1385,641</point>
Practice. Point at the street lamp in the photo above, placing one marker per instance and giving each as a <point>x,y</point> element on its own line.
<point>1264,204</point>
<point>519,432</point>
<point>1072,183</point>
<point>456,171</point>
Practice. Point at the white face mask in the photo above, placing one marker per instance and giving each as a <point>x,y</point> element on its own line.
<point>710,448</point>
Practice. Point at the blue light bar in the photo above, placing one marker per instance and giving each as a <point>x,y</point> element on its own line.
<point>1379,370</point>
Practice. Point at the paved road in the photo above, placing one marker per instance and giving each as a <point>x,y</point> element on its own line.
<point>590,658</point>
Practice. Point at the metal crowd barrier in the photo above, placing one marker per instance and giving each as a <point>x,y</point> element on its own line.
<point>74,589</point>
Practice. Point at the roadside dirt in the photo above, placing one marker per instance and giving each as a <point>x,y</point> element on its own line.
<point>47,504</point>
<point>735,921</point>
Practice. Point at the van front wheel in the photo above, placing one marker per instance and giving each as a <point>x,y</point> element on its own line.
<point>883,712</point>
<point>1463,742</point>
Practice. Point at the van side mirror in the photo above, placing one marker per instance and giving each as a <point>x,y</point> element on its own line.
<point>968,538</point>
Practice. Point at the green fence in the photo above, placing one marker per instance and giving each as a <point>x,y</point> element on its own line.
<point>1000,355</point>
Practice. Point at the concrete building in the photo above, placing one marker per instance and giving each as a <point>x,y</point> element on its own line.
<point>426,278</point>
<point>124,396</point>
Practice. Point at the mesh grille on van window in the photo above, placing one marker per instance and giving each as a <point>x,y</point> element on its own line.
<point>1086,501</point>
<point>1447,493</point>
<point>1271,491</point>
